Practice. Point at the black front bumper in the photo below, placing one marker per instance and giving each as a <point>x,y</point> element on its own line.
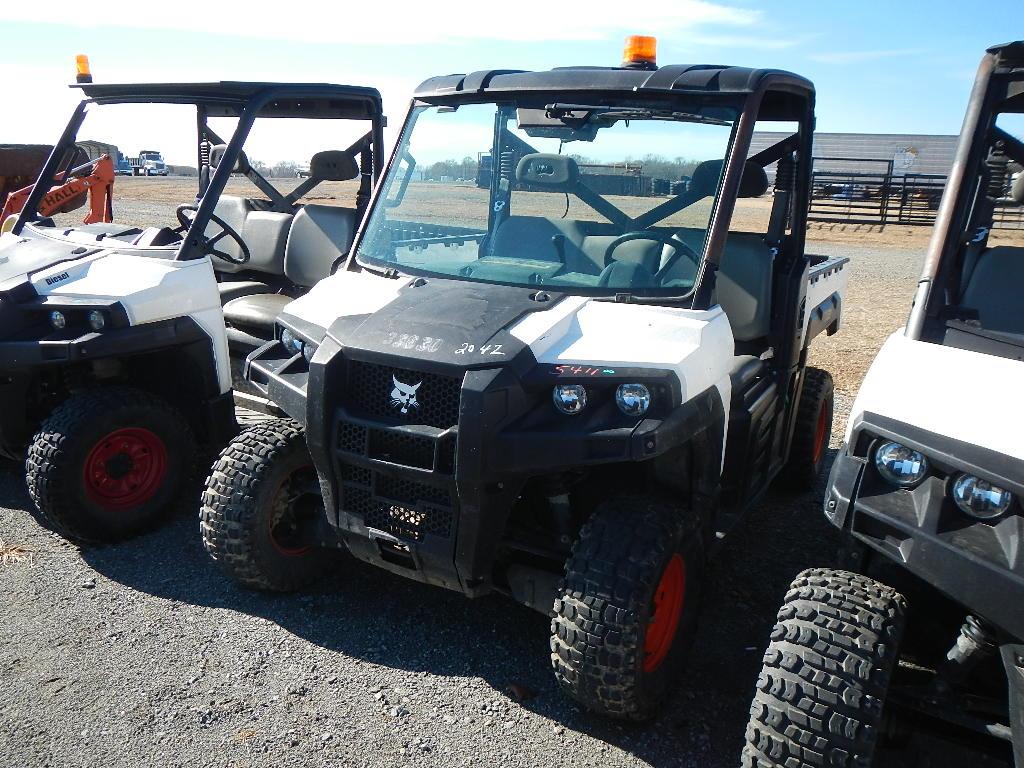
<point>26,363</point>
<point>431,500</point>
<point>979,564</point>
<point>62,349</point>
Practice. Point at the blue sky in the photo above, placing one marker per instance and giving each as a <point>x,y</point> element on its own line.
<point>878,66</point>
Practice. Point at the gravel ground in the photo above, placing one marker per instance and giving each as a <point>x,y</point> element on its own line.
<point>143,654</point>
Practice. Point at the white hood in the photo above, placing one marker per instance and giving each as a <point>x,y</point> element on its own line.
<point>967,396</point>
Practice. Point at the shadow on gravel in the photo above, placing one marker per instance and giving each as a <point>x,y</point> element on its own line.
<point>368,614</point>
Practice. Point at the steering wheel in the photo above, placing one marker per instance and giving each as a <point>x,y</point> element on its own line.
<point>665,238</point>
<point>208,243</point>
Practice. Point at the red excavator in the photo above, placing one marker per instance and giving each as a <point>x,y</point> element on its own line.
<point>95,178</point>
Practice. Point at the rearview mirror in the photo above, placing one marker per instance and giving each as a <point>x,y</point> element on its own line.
<point>538,124</point>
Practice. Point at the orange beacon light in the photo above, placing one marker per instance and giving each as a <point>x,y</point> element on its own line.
<point>84,75</point>
<point>640,52</point>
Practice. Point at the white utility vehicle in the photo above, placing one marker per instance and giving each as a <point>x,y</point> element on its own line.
<point>114,355</point>
<point>921,634</point>
<point>538,388</point>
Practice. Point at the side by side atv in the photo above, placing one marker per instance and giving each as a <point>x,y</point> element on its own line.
<point>117,341</point>
<point>528,382</point>
<point>919,634</point>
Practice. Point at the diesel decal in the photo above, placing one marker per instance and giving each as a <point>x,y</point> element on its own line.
<point>57,278</point>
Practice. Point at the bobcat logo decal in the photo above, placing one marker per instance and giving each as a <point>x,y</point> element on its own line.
<point>403,396</point>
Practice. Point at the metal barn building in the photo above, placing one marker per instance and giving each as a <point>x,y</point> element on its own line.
<point>96,148</point>
<point>910,153</point>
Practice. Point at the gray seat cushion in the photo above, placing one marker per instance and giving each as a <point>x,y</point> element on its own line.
<point>264,233</point>
<point>319,236</point>
<point>233,289</point>
<point>256,311</point>
<point>994,289</point>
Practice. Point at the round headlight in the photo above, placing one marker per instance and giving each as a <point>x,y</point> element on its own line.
<point>570,398</point>
<point>308,350</point>
<point>979,498</point>
<point>57,320</point>
<point>633,399</point>
<point>900,465</point>
<point>96,320</point>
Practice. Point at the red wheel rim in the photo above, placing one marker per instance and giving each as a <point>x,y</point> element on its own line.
<point>669,598</point>
<point>281,510</point>
<point>820,430</point>
<point>124,469</point>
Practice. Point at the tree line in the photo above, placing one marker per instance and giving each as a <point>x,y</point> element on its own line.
<point>650,165</point>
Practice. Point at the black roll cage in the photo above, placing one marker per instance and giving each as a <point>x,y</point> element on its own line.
<point>998,88</point>
<point>247,102</point>
<point>748,105</point>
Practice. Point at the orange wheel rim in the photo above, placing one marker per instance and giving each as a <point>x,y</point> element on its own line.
<point>820,430</point>
<point>667,609</point>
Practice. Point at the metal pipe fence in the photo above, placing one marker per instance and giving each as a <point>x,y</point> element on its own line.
<point>851,190</point>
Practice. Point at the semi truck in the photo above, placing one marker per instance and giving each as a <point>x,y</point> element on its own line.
<point>149,163</point>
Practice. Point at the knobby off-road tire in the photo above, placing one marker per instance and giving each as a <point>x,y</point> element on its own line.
<point>109,464</point>
<point>636,560</point>
<point>820,695</point>
<point>812,431</point>
<point>259,499</point>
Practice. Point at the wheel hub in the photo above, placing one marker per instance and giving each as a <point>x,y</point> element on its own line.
<point>287,517</point>
<point>125,468</point>
<point>666,611</point>
<point>119,465</point>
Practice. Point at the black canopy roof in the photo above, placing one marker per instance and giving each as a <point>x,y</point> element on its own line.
<point>695,78</point>
<point>1012,53</point>
<point>309,100</point>
<point>786,94</point>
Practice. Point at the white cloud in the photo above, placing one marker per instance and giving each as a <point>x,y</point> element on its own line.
<point>745,42</point>
<point>404,21</point>
<point>406,30</point>
<point>852,57</point>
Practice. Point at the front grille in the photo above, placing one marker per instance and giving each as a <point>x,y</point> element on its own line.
<point>397,506</point>
<point>403,507</point>
<point>411,492</point>
<point>370,393</point>
<point>351,437</point>
<point>411,523</point>
<point>354,474</point>
<point>401,448</point>
<point>396,447</point>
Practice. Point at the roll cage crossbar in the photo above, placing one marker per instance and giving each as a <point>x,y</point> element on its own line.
<point>662,211</point>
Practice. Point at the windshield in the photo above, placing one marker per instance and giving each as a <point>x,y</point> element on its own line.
<point>581,197</point>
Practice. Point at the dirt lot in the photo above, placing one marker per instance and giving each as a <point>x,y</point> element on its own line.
<point>142,654</point>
